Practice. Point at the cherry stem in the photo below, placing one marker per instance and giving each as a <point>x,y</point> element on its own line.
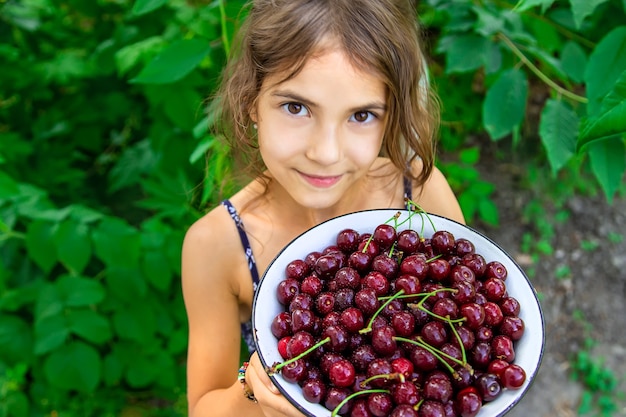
<point>394,375</point>
<point>458,338</point>
<point>436,352</point>
<point>278,366</point>
<point>355,394</point>
<point>369,324</point>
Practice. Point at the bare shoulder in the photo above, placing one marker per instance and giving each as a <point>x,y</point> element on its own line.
<point>436,195</point>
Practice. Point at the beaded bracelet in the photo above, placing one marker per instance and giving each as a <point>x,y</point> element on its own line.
<point>241,376</point>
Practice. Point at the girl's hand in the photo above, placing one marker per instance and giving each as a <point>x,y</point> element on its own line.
<point>270,400</point>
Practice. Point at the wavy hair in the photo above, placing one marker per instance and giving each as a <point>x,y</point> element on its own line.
<point>381,35</point>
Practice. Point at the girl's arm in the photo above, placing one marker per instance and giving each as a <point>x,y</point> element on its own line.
<point>210,262</point>
<point>436,197</point>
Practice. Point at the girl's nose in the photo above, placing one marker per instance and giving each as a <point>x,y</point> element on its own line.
<point>325,145</point>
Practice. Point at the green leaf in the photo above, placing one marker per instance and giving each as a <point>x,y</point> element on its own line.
<point>126,283</point>
<point>574,61</point>
<point>127,57</point>
<point>558,129</point>
<point>174,62</point>
<point>141,372</point>
<point>505,103</point>
<point>113,369</point>
<point>40,244</point>
<point>117,243</point>
<point>606,63</point>
<point>8,187</point>
<point>156,268</point>
<point>146,6</point>
<point>135,322</point>
<point>611,119</point>
<point>608,164</point>
<point>488,211</point>
<point>583,8</point>
<point>76,366</point>
<point>16,404</point>
<point>523,5</point>
<point>50,333</point>
<point>73,245</point>
<point>80,292</point>
<point>470,156</point>
<point>464,52</point>
<point>89,325</point>
<point>16,340</point>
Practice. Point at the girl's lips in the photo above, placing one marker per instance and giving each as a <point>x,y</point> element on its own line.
<point>321,181</point>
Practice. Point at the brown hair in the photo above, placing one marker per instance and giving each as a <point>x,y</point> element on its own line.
<point>381,35</point>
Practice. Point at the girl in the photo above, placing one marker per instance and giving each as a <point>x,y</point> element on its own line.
<point>325,103</point>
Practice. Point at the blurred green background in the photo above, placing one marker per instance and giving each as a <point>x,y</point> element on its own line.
<point>106,159</point>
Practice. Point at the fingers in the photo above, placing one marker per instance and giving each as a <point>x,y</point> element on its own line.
<point>266,393</point>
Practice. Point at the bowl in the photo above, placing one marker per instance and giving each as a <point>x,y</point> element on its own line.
<point>529,349</point>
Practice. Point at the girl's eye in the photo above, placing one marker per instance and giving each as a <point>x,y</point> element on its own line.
<point>295,109</point>
<point>362,116</point>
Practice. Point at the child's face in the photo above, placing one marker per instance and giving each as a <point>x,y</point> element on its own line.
<point>321,130</point>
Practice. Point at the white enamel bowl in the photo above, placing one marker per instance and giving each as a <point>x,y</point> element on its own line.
<point>529,349</point>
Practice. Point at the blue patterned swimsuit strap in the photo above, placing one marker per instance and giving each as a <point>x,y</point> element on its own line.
<point>408,191</point>
<point>246,328</point>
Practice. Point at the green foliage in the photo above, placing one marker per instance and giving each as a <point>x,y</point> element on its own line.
<point>105,160</point>
<point>548,75</point>
<point>101,106</point>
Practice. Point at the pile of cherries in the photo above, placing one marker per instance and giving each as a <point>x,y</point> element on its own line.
<point>391,323</point>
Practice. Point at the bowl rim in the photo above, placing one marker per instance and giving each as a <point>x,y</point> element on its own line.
<point>531,376</point>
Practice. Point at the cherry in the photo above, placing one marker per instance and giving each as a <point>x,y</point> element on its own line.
<point>493,314</point>
<point>297,269</point>
<point>443,242</point>
<point>342,373</point>
<point>281,325</point>
<point>311,258</point>
<point>403,410</point>
<point>360,261</point>
<point>359,409</point>
<point>403,366</point>
<point>385,235</point>
<point>403,323</point>
<point>495,269</point>
<point>294,371</point>
<point>335,396</point>
<point>405,392</point>
<point>339,337</point>
<point>415,265</point>
<point>423,359</point>
<point>502,348</point>
<point>386,265</point>
<point>287,290</point>
<point>446,307</point>
<point>311,285</point>
<point>302,320</point>
<point>410,284</point>
<point>476,262</point>
<point>438,389</point>
<point>344,298</point>
<point>301,301</point>
<point>362,356</point>
<point>431,408</point>
<point>299,343</point>
<point>369,246</point>
<point>352,319</point>
<point>474,315</point>
<point>348,277</point>
<point>463,247</point>
<point>367,301</point>
<point>327,265</point>
<point>383,340</point>
<point>377,281</point>
<point>408,241</point>
<point>513,376</point>
<point>282,347</point>
<point>468,402</point>
<point>512,327</point>
<point>488,387</point>
<point>381,369</point>
<point>510,306</point>
<point>461,272</point>
<point>494,289</point>
<point>348,240</point>
<point>314,390</point>
<point>439,269</point>
<point>379,404</point>
<point>497,366</point>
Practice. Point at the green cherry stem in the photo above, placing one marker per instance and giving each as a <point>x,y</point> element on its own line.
<point>369,324</point>
<point>436,352</point>
<point>278,366</point>
<point>458,338</point>
<point>355,394</point>
<point>392,376</point>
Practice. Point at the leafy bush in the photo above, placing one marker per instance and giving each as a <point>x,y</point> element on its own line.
<point>105,160</point>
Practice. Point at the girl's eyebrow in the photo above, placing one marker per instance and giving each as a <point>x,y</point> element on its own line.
<point>290,95</point>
